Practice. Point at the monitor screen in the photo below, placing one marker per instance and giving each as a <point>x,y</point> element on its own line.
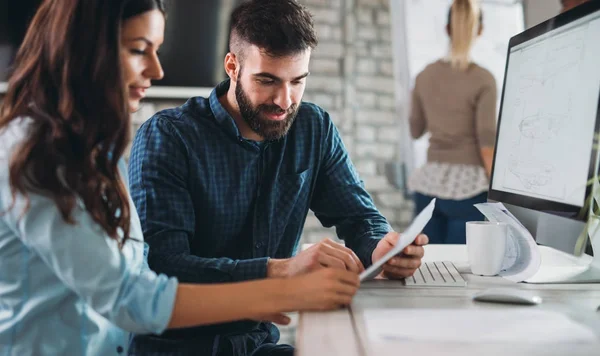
<point>545,152</point>
<point>196,42</point>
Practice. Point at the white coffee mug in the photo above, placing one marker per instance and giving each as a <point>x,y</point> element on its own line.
<point>486,246</point>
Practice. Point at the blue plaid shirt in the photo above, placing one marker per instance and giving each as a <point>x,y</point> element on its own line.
<point>215,206</point>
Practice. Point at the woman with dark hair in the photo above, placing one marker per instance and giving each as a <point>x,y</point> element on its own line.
<point>73,280</point>
<point>454,99</point>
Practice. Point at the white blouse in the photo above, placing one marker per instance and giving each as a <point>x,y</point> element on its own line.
<point>449,181</point>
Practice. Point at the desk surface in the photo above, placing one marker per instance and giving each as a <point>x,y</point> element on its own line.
<point>343,332</point>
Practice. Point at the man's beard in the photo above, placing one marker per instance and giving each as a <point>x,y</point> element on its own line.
<point>268,129</point>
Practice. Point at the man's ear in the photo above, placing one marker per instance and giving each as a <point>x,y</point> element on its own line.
<point>231,66</point>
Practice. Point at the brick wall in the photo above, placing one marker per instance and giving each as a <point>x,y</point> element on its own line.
<point>352,75</point>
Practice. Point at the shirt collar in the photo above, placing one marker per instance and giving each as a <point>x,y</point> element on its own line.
<point>221,115</point>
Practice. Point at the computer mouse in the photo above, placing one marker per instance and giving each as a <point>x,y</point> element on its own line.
<point>508,295</point>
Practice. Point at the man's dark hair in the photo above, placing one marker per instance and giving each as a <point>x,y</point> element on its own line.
<point>278,27</point>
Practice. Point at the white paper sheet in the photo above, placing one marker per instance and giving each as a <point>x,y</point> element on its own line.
<point>475,326</point>
<point>522,259</point>
<point>406,238</point>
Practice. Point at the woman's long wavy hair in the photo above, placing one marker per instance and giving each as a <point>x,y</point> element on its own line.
<point>67,79</point>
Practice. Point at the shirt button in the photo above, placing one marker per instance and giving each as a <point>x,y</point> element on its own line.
<point>119,349</point>
<point>258,245</point>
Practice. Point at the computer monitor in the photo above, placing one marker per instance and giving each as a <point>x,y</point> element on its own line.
<point>546,150</point>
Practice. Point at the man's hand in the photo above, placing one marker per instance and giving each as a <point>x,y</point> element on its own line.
<point>326,253</point>
<point>405,264</point>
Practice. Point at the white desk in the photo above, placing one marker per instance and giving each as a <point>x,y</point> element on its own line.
<point>343,332</point>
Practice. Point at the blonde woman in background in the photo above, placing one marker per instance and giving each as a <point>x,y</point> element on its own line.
<point>454,100</point>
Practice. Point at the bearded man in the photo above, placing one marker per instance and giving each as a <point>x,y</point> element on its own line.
<point>223,184</point>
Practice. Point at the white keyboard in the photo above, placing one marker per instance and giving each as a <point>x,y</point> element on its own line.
<point>436,274</point>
